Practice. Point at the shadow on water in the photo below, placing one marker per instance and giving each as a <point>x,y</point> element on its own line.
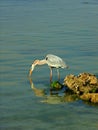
<point>50,96</point>
<point>90,104</point>
<point>53,96</point>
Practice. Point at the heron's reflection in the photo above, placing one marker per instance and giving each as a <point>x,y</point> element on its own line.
<point>38,92</point>
<point>51,97</point>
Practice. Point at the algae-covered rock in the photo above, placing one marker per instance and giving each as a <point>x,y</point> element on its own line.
<point>56,85</point>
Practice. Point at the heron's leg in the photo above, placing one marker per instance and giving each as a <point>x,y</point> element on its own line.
<point>58,73</point>
<point>50,74</point>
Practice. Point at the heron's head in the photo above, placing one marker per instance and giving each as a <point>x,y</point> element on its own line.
<point>32,66</point>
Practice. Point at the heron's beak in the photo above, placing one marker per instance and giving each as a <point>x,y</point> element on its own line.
<point>31,70</point>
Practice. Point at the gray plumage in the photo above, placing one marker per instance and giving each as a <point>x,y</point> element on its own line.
<point>55,61</point>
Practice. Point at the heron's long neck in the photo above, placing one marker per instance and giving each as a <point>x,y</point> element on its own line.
<point>41,62</point>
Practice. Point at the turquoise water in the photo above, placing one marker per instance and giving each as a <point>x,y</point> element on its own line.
<point>29,30</point>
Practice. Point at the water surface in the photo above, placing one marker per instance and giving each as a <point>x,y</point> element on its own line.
<point>29,30</point>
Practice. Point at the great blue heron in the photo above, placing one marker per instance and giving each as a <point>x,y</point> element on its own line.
<point>53,61</point>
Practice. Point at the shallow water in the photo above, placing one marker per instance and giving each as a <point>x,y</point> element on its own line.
<point>29,30</point>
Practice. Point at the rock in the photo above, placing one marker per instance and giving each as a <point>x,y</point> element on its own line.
<point>88,78</point>
<point>83,83</point>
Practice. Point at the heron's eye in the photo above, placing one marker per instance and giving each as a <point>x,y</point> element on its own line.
<point>46,58</point>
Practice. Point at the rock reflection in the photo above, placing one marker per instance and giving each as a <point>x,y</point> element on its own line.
<point>53,97</point>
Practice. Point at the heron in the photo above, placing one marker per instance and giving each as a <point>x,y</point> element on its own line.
<point>52,61</point>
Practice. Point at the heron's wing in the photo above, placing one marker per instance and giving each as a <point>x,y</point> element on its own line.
<point>55,61</point>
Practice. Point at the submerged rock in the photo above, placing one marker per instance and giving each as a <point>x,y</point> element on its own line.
<point>84,84</point>
<point>91,97</point>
